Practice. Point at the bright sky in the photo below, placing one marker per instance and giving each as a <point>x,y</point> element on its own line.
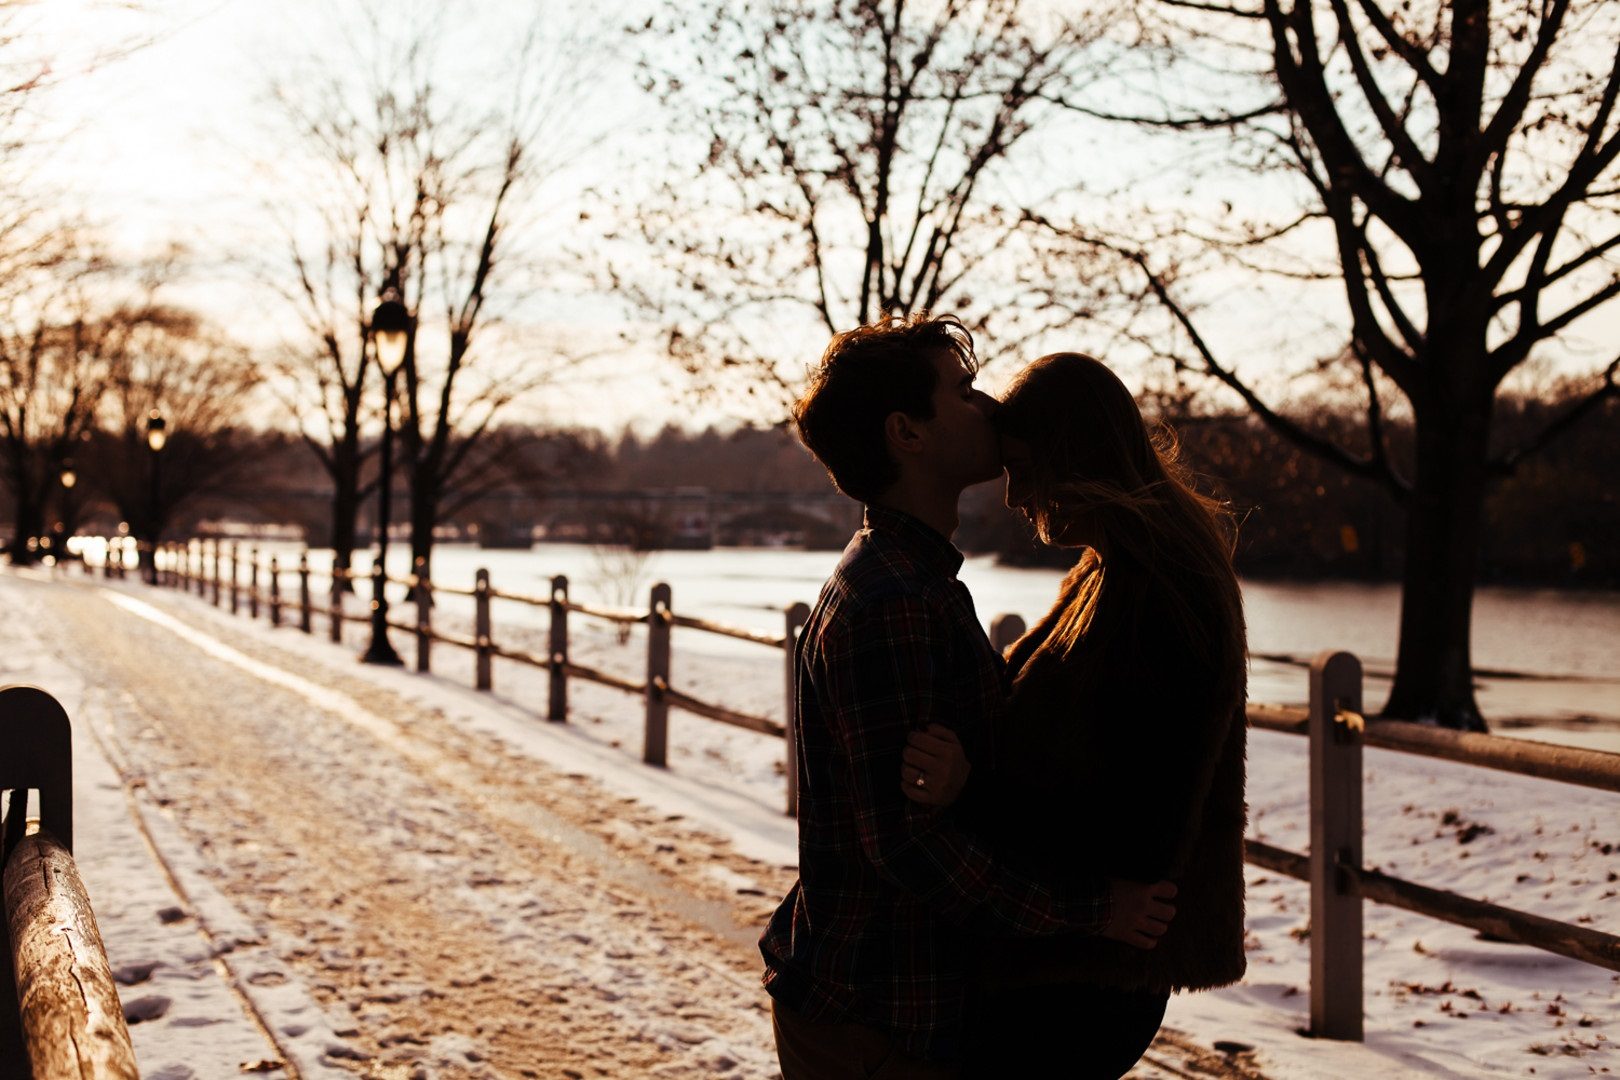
<point>160,142</point>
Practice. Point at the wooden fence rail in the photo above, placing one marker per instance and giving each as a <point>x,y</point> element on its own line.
<point>264,586</point>
<point>1332,721</point>
<point>1333,867</point>
<point>61,1017</point>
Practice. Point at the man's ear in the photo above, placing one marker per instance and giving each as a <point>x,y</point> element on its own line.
<point>902,434</point>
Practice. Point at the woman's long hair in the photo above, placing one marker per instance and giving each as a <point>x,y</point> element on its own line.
<point>1094,459</point>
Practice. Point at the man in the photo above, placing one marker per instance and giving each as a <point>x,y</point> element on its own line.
<point>867,958</point>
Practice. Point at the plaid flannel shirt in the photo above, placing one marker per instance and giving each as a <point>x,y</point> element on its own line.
<point>875,930</point>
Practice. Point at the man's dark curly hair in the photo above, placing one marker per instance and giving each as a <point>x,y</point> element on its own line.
<point>865,375</point>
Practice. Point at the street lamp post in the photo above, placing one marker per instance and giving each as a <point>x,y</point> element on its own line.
<point>67,523</point>
<point>390,332</point>
<point>157,437</point>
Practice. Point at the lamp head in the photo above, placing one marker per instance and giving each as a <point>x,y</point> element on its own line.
<point>70,476</point>
<point>157,431</point>
<point>390,332</point>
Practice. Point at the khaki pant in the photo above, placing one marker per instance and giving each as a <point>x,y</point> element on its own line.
<point>811,1051</point>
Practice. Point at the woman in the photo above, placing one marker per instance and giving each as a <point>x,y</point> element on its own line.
<point>1122,750</point>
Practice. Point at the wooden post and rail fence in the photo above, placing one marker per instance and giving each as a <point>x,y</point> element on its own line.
<point>60,1017</point>
<point>1333,722</point>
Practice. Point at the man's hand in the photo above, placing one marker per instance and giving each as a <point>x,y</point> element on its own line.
<point>1141,912</point>
<point>935,757</point>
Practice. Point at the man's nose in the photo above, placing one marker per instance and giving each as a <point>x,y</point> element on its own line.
<point>986,404</point>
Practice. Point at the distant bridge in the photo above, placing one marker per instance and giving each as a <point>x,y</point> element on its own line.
<point>692,517</point>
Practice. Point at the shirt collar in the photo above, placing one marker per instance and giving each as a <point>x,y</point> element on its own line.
<point>932,549</point>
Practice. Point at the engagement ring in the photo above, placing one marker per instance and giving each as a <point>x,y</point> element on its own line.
<point>921,781</point>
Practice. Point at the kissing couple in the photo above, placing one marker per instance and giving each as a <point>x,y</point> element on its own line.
<point>1006,864</point>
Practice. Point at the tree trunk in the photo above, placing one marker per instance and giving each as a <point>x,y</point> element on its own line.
<point>425,498</point>
<point>345,509</point>
<point>30,523</point>
<point>1445,514</point>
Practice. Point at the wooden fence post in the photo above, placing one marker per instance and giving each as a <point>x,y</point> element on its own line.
<point>1004,630</point>
<point>275,591</point>
<point>557,679</point>
<point>199,576</point>
<point>39,755</point>
<point>215,552</point>
<point>795,620</point>
<point>481,630</point>
<point>236,577</point>
<point>422,594</point>
<point>655,748</point>
<point>253,582</point>
<point>1335,783</point>
<point>62,1011</point>
<point>334,613</point>
<point>303,591</point>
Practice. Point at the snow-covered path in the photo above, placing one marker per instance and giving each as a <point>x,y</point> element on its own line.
<point>457,909</point>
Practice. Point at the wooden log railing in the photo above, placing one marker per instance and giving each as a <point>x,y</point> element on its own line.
<point>61,1018</point>
<point>1332,721</point>
<point>1340,883</point>
<point>264,587</point>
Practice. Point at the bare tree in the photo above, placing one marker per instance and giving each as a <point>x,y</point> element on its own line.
<point>321,380</point>
<point>171,362</point>
<point>436,195</point>
<point>52,377</point>
<point>1449,168</point>
<point>858,157</point>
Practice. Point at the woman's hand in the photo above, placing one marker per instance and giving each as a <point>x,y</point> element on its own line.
<point>934,767</point>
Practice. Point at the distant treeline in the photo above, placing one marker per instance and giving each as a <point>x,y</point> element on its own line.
<point>1555,521</point>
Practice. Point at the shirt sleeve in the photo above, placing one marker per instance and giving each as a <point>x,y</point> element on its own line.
<point>884,676</point>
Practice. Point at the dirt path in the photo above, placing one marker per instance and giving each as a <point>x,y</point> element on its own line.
<point>459,909</point>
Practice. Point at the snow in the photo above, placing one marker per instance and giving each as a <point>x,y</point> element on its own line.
<point>1439,1002</point>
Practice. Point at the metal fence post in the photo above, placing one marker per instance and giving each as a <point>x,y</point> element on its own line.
<point>303,591</point>
<point>1336,827</point>
<point>275,591</point>
<point>795,620</point>
<point>557,678</point>
<point>422,594</point>
<point>655,750</point>
<point>481,630</point>
<point>253,582</point>
<point>1004,630</point>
